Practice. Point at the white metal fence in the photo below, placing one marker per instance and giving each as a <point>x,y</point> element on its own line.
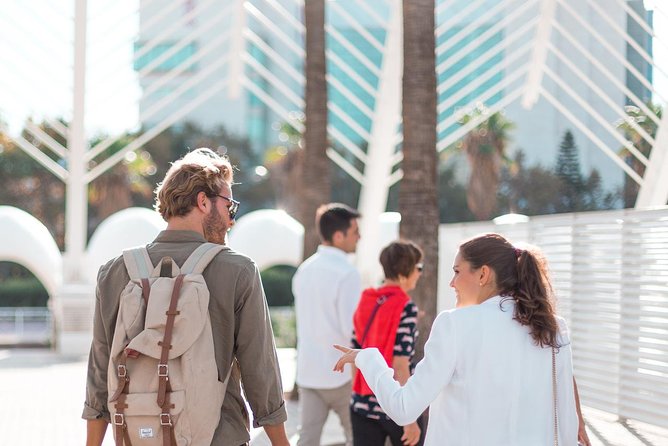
<point>25,325</point>
<point>610,271</point>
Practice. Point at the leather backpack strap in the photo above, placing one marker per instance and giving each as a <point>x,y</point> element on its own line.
<point>166,343</point>
<point>123,378</point>
<point>121,435</point>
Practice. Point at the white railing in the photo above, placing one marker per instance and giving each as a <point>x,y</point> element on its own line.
<point>610,271</point>
<point>25,325</point>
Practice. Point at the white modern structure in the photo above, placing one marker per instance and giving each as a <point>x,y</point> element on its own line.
<point>568,56</point>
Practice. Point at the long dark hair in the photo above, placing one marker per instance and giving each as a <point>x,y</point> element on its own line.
<point>521,274</point>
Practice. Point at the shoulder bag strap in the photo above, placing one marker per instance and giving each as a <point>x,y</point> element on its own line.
<point>380,301</point>
<point>139,266</point>
<point>554,396</point>
<point>200,258</point>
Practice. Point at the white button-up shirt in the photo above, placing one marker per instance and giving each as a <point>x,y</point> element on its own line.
<point>327,288</point>
<point>486,381</point>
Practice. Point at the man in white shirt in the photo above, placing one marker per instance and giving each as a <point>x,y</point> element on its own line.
<point>327,288</point>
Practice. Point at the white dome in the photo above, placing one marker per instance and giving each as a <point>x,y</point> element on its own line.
<point>25,240</point>
<point>269,237</point>
<point>124,229</point>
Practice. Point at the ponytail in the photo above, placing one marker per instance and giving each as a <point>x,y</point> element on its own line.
<point>533,295</point>
<point>521,275</point>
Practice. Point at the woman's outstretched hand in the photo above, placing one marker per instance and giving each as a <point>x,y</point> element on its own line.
<point>348,357</point>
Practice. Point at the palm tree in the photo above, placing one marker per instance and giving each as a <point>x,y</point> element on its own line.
<point>315,175</point>
<point>418,203</point>
<point>485,148</point>
<point>635,117</point>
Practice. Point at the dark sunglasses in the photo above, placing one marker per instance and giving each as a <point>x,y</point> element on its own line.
<point>234,207</point>
<point>419,267</point>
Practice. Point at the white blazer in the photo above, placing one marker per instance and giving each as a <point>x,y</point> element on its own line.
<point>486,381</point>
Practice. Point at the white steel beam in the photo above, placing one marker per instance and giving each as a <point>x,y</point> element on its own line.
<point>346,68</point>
<point>345,91</point>
<point>654,190</point>
<point>345,165</point>
<point>353,50</point>
<point>595,139</point>
<point>487,56</point>
<point>474,25</point>
<point>511,60</point>
<point>183,41</point>
<point>39,156</point>
<point>616,54</point>
<point>46,139</point>
<point>275,82</point>
<point>350,122</point>
<point>160,82</point>
<point>256,40</point>
<point>539,57</point>
<point>378,168</point>
<point>357,27</point>
<point>628,39</point>
<point>290,19</point>
<point>606,72</point>
<point>497,27</point>
<point>598,118</point>
<point>237,48</point>
<point>601,94</point>
<point>168,31</point>
<point>497,88</point>
<point>154,131</point>
<point>76,208</point>
<point>193,81</point>
<point>457,17</point>
<point>270,26</point>
<point>371,13</point>
<point>273,104</point>
<point>463,130</point>
<point>347,143</point>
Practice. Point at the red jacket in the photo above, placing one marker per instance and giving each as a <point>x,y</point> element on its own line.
<point>383,330</point>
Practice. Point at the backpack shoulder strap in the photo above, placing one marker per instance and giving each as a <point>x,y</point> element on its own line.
<point>200,258</point>
<point>138,263</point>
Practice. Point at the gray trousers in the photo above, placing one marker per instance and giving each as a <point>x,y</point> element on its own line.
<point>315,404</point>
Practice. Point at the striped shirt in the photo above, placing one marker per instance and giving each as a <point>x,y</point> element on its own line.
<point>404,345</point>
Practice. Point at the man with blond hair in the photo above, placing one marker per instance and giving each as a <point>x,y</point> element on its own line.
<point>195,199</point>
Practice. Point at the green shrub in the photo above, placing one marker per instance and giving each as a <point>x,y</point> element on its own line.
<point>22,292</point>
<point>277,282</point>
<point>284,324</point>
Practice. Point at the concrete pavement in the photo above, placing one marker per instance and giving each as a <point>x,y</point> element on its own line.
<point>42,395</point>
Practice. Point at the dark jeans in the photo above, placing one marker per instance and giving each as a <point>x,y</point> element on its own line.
<point>369,432</point>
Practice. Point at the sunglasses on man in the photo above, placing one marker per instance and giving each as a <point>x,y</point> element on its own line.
<point>233,208</point>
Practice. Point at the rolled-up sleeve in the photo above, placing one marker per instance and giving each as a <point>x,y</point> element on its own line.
<point>95,405</point>
<point>256,353</point>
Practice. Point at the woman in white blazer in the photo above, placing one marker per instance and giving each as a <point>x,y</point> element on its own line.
<point>488,368</point>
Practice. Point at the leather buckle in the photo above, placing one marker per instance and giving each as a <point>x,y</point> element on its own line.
<point>122,371</point>
<point>163,369</point>
<point>119,419</point>
<point>165,419</point>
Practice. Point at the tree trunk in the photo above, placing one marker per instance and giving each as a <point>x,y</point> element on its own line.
<point>418,203</point>
<point>315,182</point>
<point>315,171</point>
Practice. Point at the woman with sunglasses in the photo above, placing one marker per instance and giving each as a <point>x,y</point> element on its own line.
<point>386,318</point>
<point>497,370</point>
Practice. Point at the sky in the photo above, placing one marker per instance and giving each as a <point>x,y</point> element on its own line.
<point>36,55</point>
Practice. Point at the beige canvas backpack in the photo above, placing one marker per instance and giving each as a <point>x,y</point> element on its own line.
<point>163,381</point>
